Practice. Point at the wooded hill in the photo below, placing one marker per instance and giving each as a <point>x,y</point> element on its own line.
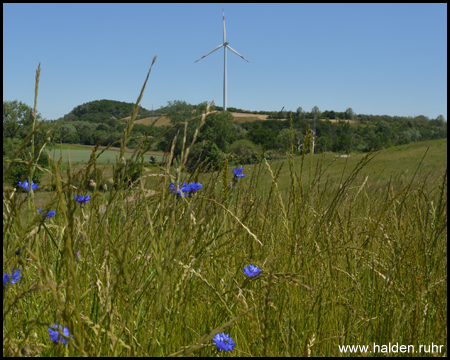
<point>102,111</point>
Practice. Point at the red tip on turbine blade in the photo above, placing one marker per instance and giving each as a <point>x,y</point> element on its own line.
<point>200,58</point>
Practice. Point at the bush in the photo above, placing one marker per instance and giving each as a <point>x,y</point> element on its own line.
<point>246,152</point>
<point>404,141</point>
<point>244,148</point>
<point>17,173</point>
<point>206,151</point>
<point>19,170</point>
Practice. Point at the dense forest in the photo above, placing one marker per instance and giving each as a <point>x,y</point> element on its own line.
<point>103,121</point>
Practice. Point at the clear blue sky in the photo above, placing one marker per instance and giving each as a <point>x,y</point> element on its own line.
<point>375,58</point>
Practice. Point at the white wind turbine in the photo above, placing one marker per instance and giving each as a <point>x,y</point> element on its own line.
<point>225,46</point>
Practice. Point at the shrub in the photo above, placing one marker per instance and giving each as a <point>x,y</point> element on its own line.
<point>245,152</point>
<point>244,148</point>
<point>204,151</point>
<point>18,171</point>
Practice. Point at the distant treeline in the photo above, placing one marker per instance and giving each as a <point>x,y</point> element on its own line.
<point>359,136</point>
<point>102,120</point>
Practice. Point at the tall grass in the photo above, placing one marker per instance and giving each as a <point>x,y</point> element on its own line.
<point>356,264</point>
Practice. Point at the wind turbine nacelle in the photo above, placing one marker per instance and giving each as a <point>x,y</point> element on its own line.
<point>226,43</point>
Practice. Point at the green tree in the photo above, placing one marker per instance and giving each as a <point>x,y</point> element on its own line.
<point>315,112</point>
<point>14,115</point>
<point>17,120</point>
<point>383,127</point>
<point>112,137</point>
<point>17,124</point>
<point>65,130</point>
<point>259,134</point>
<point>440,118</point>
<point>71,138</point>
<point>103,127</point>
<point>283,139</point>
<point>218,126</point>
<point>178,111</point>
<point>349,114</point>
<point>412,134</point>
<point>204,151</point>
<point>323,143</point>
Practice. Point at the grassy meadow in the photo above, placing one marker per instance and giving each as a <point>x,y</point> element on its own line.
<point>352,251</point>
<point>396,164</point>
<point>82,155</point>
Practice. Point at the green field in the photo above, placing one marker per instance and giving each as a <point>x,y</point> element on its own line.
<point>82,155</point>
<point>349,251</point>
<point>398,163</point>
<point>70,147</point>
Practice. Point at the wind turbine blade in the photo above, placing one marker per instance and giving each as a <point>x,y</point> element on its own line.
<point>210,52</point>
<point>224,32</point>
<point>229,47</point>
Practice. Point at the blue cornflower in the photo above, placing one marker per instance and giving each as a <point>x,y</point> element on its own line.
<point>12,278</point>
<point>26,185</point>
<point>5,279</point>
<point>224,342</point>
<point>55,335</point>
<point>192,187</point>
<point>176,189</point>
<point>186,189</point>
<point>82,199</point>
<point>252,270</point>
<point>17,252</point>
<point>238,172</point>
<point>50,214</point>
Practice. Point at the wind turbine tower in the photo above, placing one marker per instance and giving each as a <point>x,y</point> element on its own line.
<point>225,46</point>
